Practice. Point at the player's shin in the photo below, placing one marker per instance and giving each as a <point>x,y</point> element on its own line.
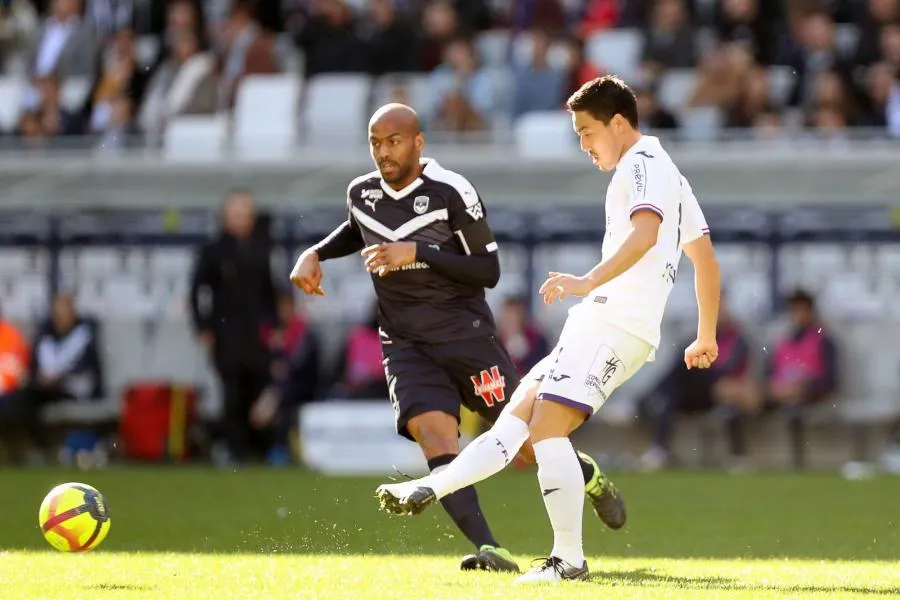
<point>486,455</point>
<point>562,486</point>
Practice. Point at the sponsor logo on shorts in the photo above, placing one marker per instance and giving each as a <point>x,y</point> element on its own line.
<point>606,365</point>
<point>490,385</point>
<point>600,299</point>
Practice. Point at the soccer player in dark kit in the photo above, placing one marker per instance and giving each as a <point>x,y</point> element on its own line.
<point>424,236</point>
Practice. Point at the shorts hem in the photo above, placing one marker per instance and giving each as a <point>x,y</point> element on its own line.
<point>585,408</point>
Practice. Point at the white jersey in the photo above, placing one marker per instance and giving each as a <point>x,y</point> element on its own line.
<point>646,179</point>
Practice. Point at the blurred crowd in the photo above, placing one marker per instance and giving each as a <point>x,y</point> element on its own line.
<point>119,69</point>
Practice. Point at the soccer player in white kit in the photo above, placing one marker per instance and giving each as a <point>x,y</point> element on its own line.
<point>652,216</point>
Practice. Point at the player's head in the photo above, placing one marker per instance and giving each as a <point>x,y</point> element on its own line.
<point>801,307</point>
<point>605,117</point>
<point>396,142</point>
<point>239,214</point>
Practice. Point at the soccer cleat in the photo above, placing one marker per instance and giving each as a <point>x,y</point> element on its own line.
<point>554,569</point>
<point>490,558</point>
<point>404,498</point>
<point>605,498</point>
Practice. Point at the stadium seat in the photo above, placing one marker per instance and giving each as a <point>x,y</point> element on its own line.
<point>196,138</point>
<point>265,116</point>
<point>493,47</point>
<point>703,124</point>
<point>12,90</point>
<point>545,135</point>
<point>415,85</point>
<point>335,109</point>
<point>523,50</point>
<point>781,81</point>
<point>147,50</point>
<point>675,88</point>
<point>618,51</point>
<point>73,93</point>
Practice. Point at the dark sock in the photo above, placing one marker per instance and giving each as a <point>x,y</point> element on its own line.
<point>462,506</point>
<point>587,469</point>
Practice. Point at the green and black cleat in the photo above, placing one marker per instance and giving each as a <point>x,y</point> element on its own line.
<point>490,558</point>
<point>605,498</point>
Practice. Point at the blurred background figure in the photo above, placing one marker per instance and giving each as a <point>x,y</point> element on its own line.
<point>521,335</point>
<point>232,297</point>
<point>360,372</point>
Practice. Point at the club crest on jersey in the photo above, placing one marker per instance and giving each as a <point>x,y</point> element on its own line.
<point>420,205</point>
<point>490,385</point>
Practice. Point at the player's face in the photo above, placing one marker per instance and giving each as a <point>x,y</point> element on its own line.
<point>601,142</point>
<point>396,153</point>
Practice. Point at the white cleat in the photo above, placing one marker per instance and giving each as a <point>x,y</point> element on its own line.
<point>554,569</point>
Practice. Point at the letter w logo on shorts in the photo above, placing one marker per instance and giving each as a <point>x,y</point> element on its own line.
<point>490,385</point>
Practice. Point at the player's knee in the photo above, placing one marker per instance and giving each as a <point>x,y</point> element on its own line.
<point>526,453</point>
<point>436,433</point>
<point>553,419</point>
<point>522,403</point>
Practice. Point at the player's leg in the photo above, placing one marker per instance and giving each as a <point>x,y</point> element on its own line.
<point>594,359</point>
<point>427,411</point>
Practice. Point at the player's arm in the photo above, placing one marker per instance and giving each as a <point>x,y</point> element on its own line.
<point>343,241</point>
<point>707,285</point>
<point>479,264</point>
<point>644,233</point>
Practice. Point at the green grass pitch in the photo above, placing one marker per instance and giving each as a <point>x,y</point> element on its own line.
<point>197,533</point>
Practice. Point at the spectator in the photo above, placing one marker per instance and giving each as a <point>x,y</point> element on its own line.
<point>878,14</point>
<point>581,70</point>
<point>831,92</point>
<point>816,53</point>
<point>440,25</point>
<point>49,121</point>
<point>184,84</point>
<point>669,41</point>
<point>391,43</point>
<point>232,297</point>
<point>66,45</point>
<point>329,40</point>
<point>119,75</point>
<point>752,101</point>
<point>741,21</point>
<point>893,108</point>
<point>120,131</point>
<point>538,85</point>
<point>600,15</point>
<point>249,50</point>
<point>360,369</point>
<point>462,94</point>
<point>14,410</point>
<point>879,80</point>
<point>890,44</point>
<point>726,384</point>
<point>721,77</point>
<point>651,114</point>
<point>521,336</point>
<point>109,16</point>
<point>803,369</point>
<point>533,15</point>
<point>19,24</point>
<point>768,125</point>
<point>295,377</point>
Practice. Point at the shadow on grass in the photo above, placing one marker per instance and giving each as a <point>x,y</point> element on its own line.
<point>648,578</point>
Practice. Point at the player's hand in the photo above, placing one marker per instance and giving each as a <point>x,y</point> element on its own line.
<point>701,354</point>
<point>307,274</point>
<point>384,258</point>
<point>562,285</point>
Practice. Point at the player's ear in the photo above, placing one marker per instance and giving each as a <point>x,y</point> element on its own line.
<point>420,142</point>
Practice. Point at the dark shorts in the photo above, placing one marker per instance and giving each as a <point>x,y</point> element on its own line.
<point>476,373</point>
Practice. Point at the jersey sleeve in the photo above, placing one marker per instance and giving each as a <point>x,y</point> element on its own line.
<point>648,187</point>
<point>468,220</point>
<point>693,222</point>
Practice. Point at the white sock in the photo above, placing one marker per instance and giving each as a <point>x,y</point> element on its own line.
<point>487,454</point>
<point>562,485</point>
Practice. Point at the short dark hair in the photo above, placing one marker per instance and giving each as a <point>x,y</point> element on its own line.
<point>801,297</point>
<point>603,98</point>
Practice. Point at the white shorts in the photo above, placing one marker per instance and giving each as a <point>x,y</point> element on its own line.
<point>591,359</point>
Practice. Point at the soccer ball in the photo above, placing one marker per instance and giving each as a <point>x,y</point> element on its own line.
<point>74,517</point>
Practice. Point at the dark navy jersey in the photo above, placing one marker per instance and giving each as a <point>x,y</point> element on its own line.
<point>442,211</point>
